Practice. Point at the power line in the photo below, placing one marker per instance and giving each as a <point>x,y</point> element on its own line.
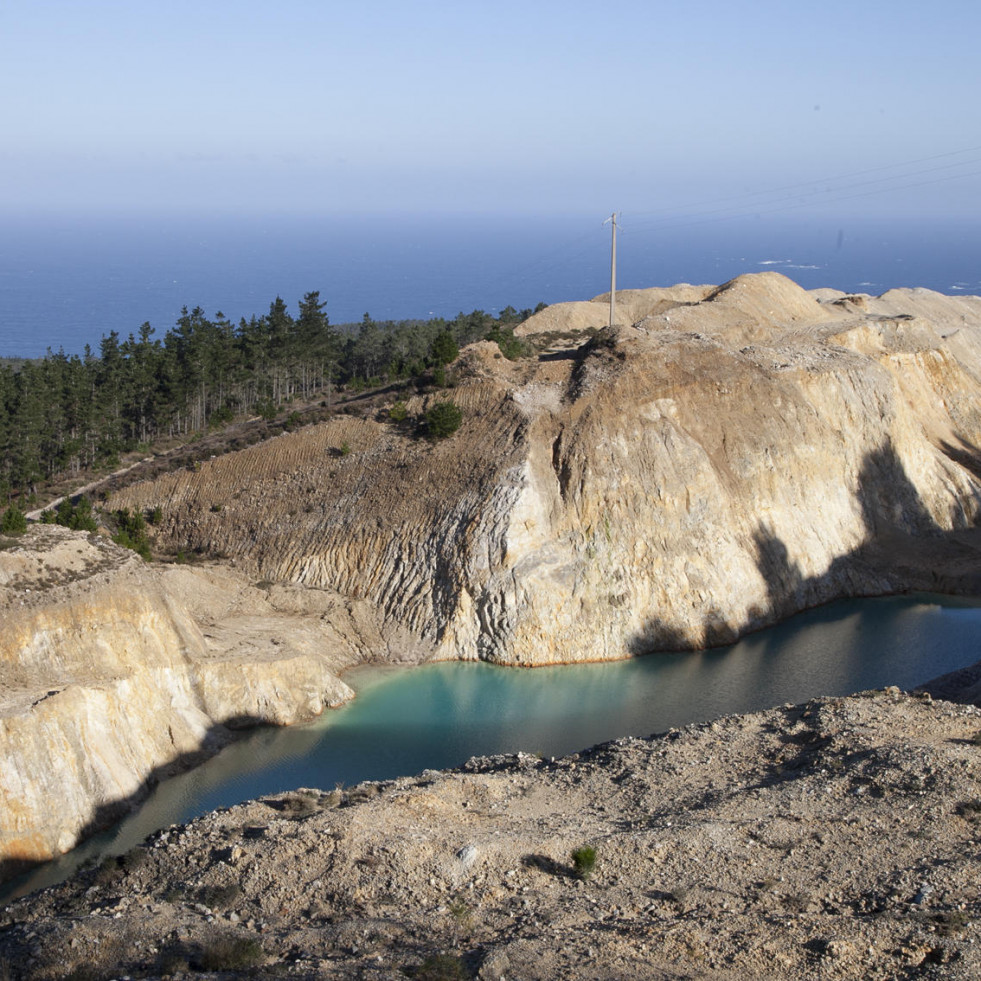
<point>818,185</point>
<point>784,198</point>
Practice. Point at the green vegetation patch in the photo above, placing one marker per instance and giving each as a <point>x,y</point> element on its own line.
<point>132,532</point>
<point>77,516</point>
<point>231,952</point>
<point>584,861</point>
<point>443,419</point>
<point>440,967</point>
<point>13,522</point>
<point>510,346</point>
<point>66,415</point>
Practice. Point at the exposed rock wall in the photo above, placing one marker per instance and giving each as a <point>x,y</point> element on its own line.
<point>107,680</point>
<point>739,453</point>
<point>736,454</point>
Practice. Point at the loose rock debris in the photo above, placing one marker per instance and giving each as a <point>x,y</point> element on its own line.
<point>836,839</point>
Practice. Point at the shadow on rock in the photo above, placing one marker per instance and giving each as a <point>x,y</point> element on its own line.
<point>904,549</point>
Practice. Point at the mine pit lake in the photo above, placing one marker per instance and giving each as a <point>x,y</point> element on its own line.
<point>437,716</point>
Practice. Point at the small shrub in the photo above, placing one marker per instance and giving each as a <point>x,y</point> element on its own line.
<point>948,923</point>
<point>510,346</point>
<point>462,914</point>
<point>443,419</point>
<point>107,871</point>
<point>345,448</point>
<point>441,967</point>
<point>173,962</point>
<point>970,810</point>
<point>584,861</point>
<point>228,952</point>
<point>134,859</point>
<point>13,522</point>
<point>78,516</point>
<point>132,532</point>
<point>796,902</point>
<point>398,412</point>
<point>679,896</point>
<point>220,897</point>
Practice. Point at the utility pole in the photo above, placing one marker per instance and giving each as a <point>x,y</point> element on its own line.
<point>612,220</point>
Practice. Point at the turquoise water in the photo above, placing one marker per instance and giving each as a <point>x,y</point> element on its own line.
<point>436,716</point>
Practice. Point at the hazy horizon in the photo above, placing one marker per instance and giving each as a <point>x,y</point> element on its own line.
<point>663,112</point>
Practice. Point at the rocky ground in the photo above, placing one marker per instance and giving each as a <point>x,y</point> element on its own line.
<point>835,839</point>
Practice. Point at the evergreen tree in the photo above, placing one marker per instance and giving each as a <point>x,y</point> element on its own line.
<point>444,349</point>
<point>443,419</point>
<point>13,521</point>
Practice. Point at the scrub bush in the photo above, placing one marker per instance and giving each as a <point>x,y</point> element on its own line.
<point>13,521</point>
<point>443,419</point>
<point>584,861</point>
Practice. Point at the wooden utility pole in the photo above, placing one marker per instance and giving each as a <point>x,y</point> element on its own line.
<point>612,220</point>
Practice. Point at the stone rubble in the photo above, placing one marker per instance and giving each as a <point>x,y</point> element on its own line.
<point>835,839</point>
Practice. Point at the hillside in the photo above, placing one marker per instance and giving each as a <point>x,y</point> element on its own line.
<point>738,454</point>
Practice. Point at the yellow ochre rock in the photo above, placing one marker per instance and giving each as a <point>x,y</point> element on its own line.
<point>736,454</point>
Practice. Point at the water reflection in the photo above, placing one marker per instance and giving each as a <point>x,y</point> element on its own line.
<point>436,716</point>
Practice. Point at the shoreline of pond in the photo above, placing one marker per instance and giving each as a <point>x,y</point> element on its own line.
<point>366,678</point>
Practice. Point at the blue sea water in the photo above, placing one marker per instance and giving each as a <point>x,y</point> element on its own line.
<point>67,281</point>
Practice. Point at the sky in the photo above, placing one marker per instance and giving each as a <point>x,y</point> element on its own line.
<point>537,107</point>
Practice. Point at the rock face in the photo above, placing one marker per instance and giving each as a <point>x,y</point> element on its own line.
<point>735,455</point>
<point>739,453</point>
<point>110,675</point>
<point>835,839</point>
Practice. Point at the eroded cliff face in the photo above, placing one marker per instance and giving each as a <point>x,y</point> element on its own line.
<point>113,673</point>
<point>736,454</point>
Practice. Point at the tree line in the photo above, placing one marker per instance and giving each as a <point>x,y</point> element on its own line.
<point>62,414</point>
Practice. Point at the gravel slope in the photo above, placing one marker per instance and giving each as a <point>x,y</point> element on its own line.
<point>836,839</point>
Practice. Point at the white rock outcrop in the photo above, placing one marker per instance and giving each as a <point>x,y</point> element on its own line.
<point>107,681</point>
<point>739,453</point>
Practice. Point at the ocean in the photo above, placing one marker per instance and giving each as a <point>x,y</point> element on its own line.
<point>65,282</point>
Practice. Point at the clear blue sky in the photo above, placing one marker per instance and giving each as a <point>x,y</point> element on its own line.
<point>539,106</point>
